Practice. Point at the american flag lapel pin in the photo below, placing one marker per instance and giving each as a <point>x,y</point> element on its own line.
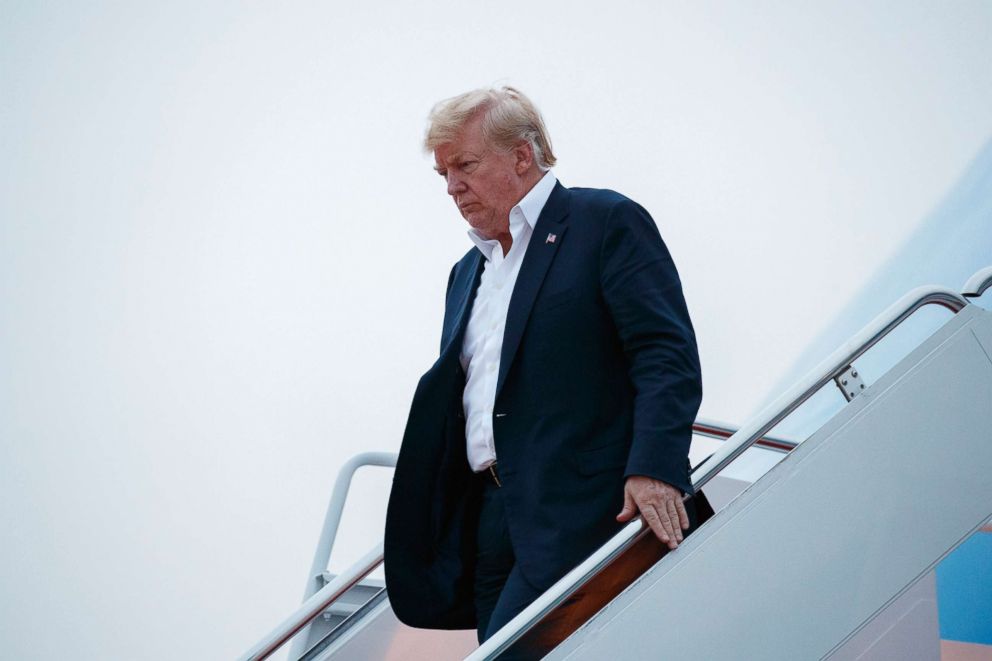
<point>551,238</point>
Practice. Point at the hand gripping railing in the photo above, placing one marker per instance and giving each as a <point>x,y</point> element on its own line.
<point>831,368</point>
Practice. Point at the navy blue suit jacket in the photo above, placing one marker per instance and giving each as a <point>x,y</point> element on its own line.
<point>599,379</point>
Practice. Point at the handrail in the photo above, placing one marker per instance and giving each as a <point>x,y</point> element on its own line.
<point>978,283</point>
<point>314,606</point>
<point>723,431</point>
<point>329,531</point>
<point>334,509</point>
<point>822,374</point>
<point>774,413</point>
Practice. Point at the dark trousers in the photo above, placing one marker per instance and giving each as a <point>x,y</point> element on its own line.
<point>501,591</point>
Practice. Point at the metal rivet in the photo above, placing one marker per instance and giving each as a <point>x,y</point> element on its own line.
<point>854,373</point>
<point>844,382</point>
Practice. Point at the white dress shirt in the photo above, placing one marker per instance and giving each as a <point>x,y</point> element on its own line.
<point>484,335</point>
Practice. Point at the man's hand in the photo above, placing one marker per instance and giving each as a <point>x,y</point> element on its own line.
<point>660,504</point>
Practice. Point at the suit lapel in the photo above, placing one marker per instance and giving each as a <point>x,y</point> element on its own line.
<point>465,287</point>
<point>540,253</point>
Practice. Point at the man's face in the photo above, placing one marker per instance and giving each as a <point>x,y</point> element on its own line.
<point>484,183</point>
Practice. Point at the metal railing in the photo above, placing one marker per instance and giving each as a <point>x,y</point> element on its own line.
<point>328,533</point>
<point>978,283</point>
<point>314,606</point>
<point>721,431</point>
<point>335,507</point>
<point>835,365</point>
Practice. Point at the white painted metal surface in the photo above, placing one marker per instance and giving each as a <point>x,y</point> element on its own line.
<point>907,630</point>
<point>838,530</point>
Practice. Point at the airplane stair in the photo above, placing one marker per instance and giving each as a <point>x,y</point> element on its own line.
<point>824,555</point>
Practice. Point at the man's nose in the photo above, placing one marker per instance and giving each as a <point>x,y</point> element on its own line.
<point>455,184</point>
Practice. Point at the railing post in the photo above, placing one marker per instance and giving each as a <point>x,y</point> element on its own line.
<point>329,531</point>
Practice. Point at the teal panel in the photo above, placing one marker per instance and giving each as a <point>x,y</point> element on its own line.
<point>964,591</point>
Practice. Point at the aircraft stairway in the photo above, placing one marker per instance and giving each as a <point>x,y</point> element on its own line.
<point>820,552</point>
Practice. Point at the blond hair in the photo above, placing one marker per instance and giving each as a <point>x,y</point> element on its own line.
<point>510,117</point>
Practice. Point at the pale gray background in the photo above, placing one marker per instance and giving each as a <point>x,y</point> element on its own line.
<point>223,254</point>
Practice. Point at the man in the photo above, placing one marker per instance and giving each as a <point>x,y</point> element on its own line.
<point>562,401</point>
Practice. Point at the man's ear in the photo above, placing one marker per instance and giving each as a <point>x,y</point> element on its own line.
<point>523,155</point>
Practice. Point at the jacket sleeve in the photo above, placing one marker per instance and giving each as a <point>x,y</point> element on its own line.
<point>643,294</point>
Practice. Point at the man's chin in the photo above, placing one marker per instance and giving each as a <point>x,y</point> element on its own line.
<point>479,225</point>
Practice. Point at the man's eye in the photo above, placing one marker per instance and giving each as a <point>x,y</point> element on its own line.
<point>468,166</point>
<point>443,173</point>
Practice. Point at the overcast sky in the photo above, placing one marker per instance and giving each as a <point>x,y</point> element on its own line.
<point>223,253</point>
